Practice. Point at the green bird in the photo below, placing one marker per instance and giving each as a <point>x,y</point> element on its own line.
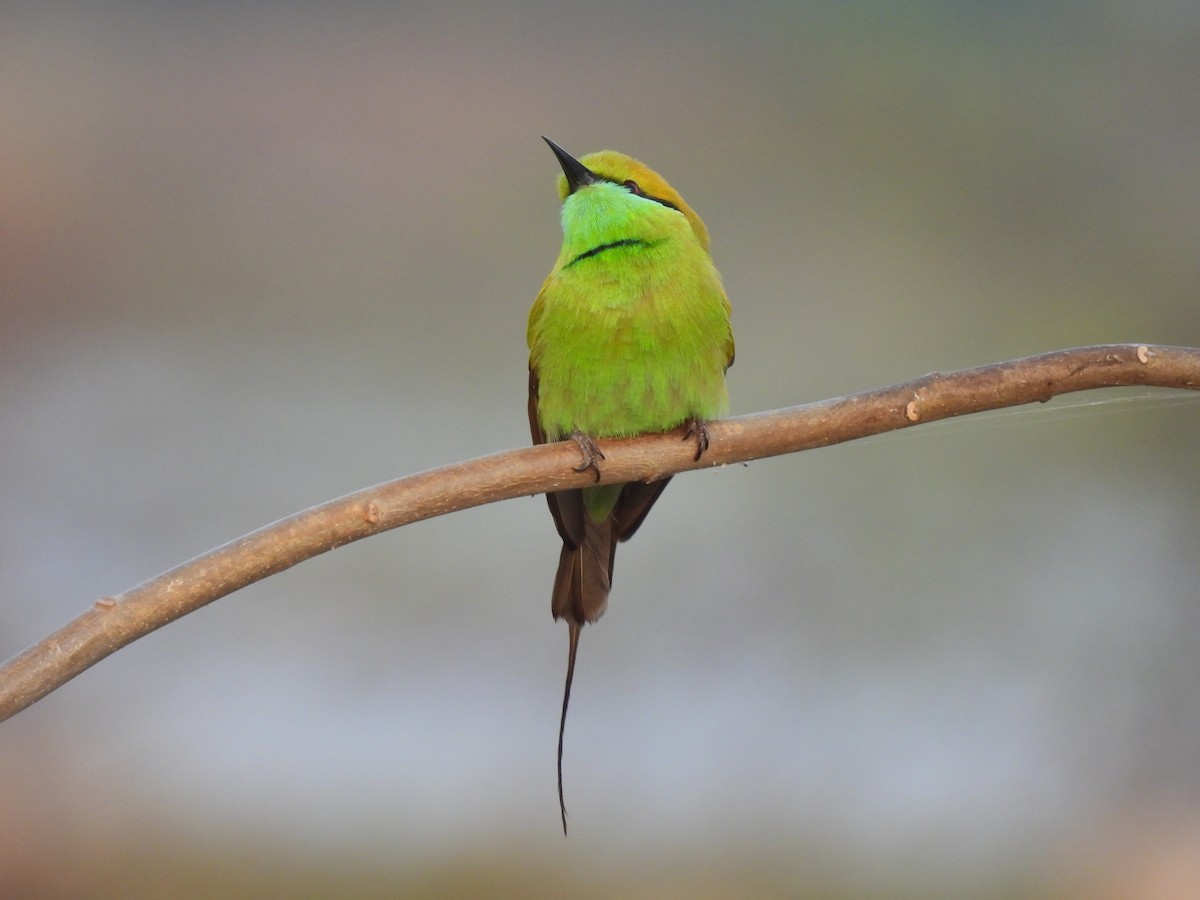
<point>629,334</point>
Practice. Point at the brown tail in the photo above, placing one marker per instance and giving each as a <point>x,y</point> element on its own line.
<point>584,575</point>
<point>575,628</point>
<point>580,596</point>
<point>585,569</point>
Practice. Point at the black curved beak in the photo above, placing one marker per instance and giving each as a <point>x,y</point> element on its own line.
<point>577,173</point>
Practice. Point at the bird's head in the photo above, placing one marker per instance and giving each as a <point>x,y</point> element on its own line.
<point>626,181</point>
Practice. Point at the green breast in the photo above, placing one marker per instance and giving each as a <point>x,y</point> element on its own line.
<point>631,339</point>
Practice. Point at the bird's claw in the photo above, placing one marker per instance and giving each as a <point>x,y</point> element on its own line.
<point>591,453</point>
<point>698,429</point>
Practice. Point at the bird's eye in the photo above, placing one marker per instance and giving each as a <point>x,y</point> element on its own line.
<point>633,187</point>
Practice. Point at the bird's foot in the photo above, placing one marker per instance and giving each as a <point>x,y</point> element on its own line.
<point>697,429</point>
<point>591,453</point>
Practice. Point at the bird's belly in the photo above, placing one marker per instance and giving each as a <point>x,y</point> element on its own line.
<point>632,377</point>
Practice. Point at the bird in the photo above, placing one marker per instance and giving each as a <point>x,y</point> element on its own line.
<point>630,334</point>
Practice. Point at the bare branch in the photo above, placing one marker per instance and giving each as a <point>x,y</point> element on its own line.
<point>113,622</point>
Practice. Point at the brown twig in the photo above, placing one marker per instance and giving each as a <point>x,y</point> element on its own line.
<point>113,622</point>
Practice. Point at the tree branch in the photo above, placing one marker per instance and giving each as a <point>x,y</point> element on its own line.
<point>113,622</point>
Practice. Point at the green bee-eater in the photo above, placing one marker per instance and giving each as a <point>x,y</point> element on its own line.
<point>629,334</point>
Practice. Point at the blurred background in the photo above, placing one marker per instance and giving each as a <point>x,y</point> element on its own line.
<point>255,258</point>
